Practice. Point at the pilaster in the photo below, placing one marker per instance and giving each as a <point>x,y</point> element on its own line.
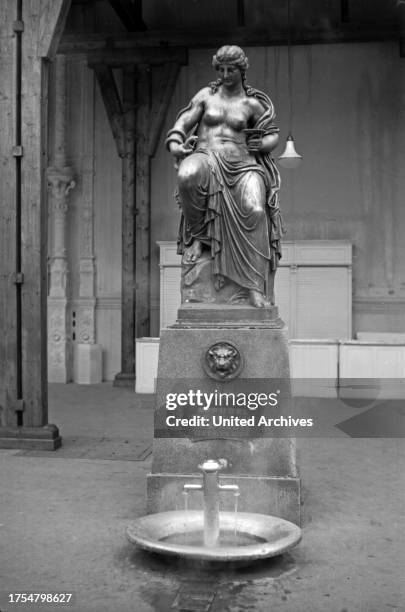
<point>86,302</point>
<point>60,182</point>
<point>87,354</point>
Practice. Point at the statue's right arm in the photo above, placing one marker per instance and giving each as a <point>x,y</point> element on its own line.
<point>177,141</point>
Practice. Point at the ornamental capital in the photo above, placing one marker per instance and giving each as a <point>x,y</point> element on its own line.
<point>60,180</point>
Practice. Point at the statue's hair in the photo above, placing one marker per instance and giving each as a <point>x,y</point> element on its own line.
<point>231,54</point>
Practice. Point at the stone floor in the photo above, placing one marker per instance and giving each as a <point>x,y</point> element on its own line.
<point>63,516</point>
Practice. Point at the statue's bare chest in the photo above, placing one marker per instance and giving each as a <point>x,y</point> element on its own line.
<point>232,113</point>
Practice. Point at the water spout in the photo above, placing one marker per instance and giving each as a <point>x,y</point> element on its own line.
<point>185,494</point>
<point>211,489</point>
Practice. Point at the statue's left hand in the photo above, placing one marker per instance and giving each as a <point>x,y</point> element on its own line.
<point>254,143</point>
<point>190,144</point>
<point>180,150</point>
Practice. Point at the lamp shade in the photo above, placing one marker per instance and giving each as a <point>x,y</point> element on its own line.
<point>290,158</point>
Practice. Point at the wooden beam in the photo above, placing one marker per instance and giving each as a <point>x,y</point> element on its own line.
<point>52,19</point>
<point>112,103</point>
<point>87,43</point>
<point>130,14</point>
<point>118,58</point>
<point>161,105</point>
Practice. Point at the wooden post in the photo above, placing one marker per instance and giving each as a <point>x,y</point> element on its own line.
<point>27,33</point>
<point>142,198</point>
<point>127,375</point>
<point>8,265</point>
<point>136,128</point>
<point>34,229</point>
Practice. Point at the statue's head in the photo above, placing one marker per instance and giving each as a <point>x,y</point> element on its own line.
<point>231,55</point>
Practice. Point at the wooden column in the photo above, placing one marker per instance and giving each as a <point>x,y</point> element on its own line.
<point>8,254</point>
<point>29,30</point>
<point>127,375</point>
<point>136,126</point>
<point>142,199</point>
<point>135,219</point>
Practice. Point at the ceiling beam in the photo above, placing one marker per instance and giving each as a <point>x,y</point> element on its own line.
<point>93,43</point>
<point>52,19</point>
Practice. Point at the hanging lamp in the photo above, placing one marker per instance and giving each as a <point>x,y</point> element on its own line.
<point>290,158</point>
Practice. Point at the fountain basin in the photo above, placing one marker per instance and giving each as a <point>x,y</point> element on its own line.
<point>243,537</point>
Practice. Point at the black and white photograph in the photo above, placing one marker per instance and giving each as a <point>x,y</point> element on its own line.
<point>202,305</point>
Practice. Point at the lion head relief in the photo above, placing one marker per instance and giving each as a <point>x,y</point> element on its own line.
<point>222,361</point>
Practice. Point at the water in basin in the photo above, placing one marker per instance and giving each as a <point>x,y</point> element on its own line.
<point>196,538</point>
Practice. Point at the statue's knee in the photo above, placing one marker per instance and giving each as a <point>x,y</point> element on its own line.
<point>188,173</point>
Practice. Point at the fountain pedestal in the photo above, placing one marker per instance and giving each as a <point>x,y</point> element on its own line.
<point>234,350</point>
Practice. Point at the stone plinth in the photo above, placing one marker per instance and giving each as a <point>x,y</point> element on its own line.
<point>227,348</point>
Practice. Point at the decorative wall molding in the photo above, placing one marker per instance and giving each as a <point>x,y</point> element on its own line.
<point>108,302</point>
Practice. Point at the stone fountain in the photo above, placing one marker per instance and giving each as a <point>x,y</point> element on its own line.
<point>228,346</point>
<point>257,471</point>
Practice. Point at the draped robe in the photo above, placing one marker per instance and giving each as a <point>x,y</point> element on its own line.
<point>244,239</point>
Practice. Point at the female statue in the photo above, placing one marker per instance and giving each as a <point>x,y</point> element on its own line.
<point>227,181</point>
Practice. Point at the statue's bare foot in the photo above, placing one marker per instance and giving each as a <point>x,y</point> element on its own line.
<point>193,252</point>
<point>257,299</point>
